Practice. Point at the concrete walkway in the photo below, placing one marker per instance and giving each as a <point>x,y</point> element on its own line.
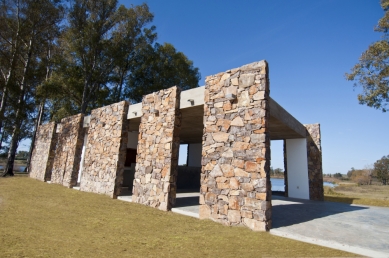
<point>358,229</point>
<point>354,228</point>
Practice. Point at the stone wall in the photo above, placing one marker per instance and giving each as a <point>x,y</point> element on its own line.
<point>315,170</point>
<point>43,153</point>
<point>235,180</point>
<point>157,153</point>
<point>68,151</point>
<point>105,152</point>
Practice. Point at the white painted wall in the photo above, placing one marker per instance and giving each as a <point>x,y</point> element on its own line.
<point>194,154</point>
<point>82,157</point>
<point>297,167</point>
<point>132,140</point>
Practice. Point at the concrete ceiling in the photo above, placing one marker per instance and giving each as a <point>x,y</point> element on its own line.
<point>282,125</point>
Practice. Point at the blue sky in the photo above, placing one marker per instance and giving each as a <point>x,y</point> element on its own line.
<point>309,45</point>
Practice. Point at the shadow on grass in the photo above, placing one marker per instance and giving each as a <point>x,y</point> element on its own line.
<point>290,211</point>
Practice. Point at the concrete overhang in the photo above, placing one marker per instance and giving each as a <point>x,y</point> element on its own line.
<point>282,125</point>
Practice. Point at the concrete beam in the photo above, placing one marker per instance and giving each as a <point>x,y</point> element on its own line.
<point>192,98</point>
<point>134,111</point>
<point>283,125</point>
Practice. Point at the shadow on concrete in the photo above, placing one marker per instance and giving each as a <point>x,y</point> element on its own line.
<point>290,211</point>
<point>186,201</point>
<point>190,190</point>
<point>125,191</point>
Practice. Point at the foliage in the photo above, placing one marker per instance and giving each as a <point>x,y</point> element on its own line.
<point>25,27</point>
<point>107,53</point>
<point>99,55</point>
<point>278,172</point>
<point>381,169</point>
<point>360,176</point>
<point>160,67</point>
<point>22,155</point>
<point>338,175</point>
<point>372,71</point>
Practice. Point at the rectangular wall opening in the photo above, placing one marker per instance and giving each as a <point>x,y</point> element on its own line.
<point>277,169</point>
<point>130,163</point>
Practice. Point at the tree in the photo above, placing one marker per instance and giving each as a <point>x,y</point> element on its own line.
<point>381,168</point>
<point>28,24</point>
<point>97,49</point>
<point>338,175</point>
<point>372,71</point>
<point>22,155</point>
<point>108,54</point>
<point>160,67</point>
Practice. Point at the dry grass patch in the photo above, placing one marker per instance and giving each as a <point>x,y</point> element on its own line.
<point>43,220</point>
<point>374,195</point>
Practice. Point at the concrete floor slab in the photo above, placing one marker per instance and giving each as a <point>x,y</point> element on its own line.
<point>354,228</point>
<point>357,229</point>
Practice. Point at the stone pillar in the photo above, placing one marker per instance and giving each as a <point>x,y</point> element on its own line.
<point>43,153</point>
<point>68,152</point>
<point>235,179</point>
<point>105,151</point>
<point>315,169</point>
<point>158,146</point>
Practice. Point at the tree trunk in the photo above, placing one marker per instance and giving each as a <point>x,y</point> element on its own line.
<point>19,115</point>
<point>11,72</point>
<point>2,108</point>
<point>12,152</point>
<point>2,138</point>
<point>84,102</point>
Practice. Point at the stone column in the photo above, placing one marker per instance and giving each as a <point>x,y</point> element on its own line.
<point>315,169</point>
<point>105,151</point>
<point>235,179</point>
<point>68,152</point>
<point>43,153</point>
<point>158,146</point>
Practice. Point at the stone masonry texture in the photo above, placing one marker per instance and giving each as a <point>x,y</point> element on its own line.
<point>158,146</point>
<point>235,180</point>
<point>105,151</point>
<point>315,171</point>
<point>43,152</point>
<point>68,151</point>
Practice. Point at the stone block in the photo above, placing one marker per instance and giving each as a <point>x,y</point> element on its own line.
<point>255,225</point>
<point>105,152</point>
<point>204,211</point>
<point>241,127</point>
<point>234,216</point>
<point>68,151</point>
<point>44,152</point>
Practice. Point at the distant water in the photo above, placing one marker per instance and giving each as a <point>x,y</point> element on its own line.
<point>277,184</point>
<point>17,168</point>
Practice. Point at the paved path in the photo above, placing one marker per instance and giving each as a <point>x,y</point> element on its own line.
<point>358,229</point>
<point>354,228</point>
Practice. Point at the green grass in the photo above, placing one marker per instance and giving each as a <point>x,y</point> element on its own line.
<point>47,220</point>
<point>373,195</point>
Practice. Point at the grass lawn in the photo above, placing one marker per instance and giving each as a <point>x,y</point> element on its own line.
<point>374,195</point>
<point>47,220</point>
